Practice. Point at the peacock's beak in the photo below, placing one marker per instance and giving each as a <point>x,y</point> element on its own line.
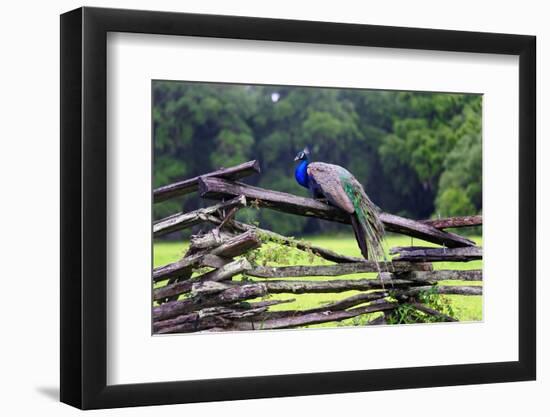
<point>296,158</point>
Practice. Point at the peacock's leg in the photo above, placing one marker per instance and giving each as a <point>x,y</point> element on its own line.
<point>317,195</point>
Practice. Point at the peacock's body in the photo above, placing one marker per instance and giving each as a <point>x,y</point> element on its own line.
<point>341,189</point>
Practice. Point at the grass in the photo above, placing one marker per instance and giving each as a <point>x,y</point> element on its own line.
<point>466,308</point>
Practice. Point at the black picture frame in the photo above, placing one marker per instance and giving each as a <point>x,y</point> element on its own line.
<point>84,207</point>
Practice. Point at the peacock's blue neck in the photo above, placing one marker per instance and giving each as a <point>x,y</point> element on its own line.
<point>300,173</point>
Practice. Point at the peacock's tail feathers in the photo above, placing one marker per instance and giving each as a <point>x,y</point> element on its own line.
<point>368,216</point>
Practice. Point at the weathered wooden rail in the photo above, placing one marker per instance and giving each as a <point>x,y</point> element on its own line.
<point>217,286</point>
<point>218,188</point>
<point>190,185</point>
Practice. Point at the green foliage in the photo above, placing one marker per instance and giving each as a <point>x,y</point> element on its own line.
<point>406,313</point>
<point>232,148</point>
<point>429,126</point>
<point>462,173</point>
<point>454,202</point>
<point>437,302</point>
<point>278,251</point>
<point>408,149</point>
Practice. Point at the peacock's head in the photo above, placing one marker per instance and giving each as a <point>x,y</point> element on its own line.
<point>302,155</point>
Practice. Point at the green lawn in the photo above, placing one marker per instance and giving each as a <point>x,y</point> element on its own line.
<point>467,308</point>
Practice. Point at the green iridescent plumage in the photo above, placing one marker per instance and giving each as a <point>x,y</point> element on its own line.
<point>367,214</point>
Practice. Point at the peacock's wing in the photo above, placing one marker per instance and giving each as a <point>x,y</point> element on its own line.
<point>328,179</point>
<point>343,190</point>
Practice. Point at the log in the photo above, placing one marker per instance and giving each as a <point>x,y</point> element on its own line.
<point>459,290</point>
<point>333,270</point>
<point>238,245</point>
<point>442,289</point>
<point>186,318</point>
<point>176,268</point>
<point>182,221</point>
<point>228,296</point>
<point>233,247</point>
<point>230,312</point>
<point>234,289</point>
<point>235,311</point>
<point>214,261</point>
<point>225,272</point>
<point>339,285</point>
<point>265,303</point>
<point>452,222</point>
<point>218,188</point>
<point>180,188</point>
<point>309,319</point>
<point>413,228</point>
<point>343,304</point>
<point>212,239</point>
<point>190,322</point>
<point>184,275</point>
<point>354,300</point>
<point>432,312</point>
<point>228,293</point>
<point>200,289</point>
<point>224,318</point>
<point>288,241</point>
<point>378,321</point>
<point>441,275</point>
<point>193,323</point>
<point>228,217</point>
<point>424,254</point>
<point>204,319</point>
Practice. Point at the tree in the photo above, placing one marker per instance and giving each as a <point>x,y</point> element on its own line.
<point>463,168</point>
<point>415,153</point>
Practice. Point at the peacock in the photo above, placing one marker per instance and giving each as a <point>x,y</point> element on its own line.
<point>338,187</point>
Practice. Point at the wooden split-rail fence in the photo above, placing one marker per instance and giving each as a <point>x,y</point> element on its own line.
<point>202,292</point>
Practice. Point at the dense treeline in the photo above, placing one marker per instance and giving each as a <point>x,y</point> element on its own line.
<point>417,154</point>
